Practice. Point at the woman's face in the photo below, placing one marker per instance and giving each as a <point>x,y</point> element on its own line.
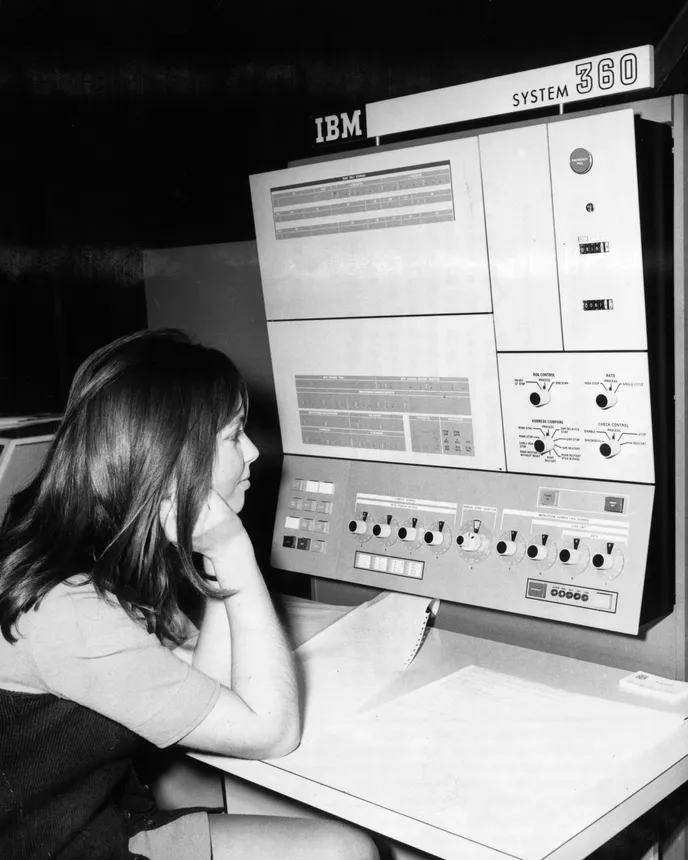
<point>234,455</point>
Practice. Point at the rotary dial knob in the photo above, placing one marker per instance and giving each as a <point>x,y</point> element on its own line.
<point>543,445</point>
<point>606,400</point>
<point>358,527</point>
<point>610,448</point>
<point>540,397</point>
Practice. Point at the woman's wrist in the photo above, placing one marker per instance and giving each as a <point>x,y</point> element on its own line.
<point>232,571</point>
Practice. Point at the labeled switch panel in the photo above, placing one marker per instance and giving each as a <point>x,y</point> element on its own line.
<point>564,549</point>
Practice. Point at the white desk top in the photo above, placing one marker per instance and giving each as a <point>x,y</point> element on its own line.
<point>601,811</point>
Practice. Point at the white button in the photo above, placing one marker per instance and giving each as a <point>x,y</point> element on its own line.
<point>326,487</point>
<point>312,486</point>
<point>292,523</point>
<point>602,601</point>
<point>363,560</point>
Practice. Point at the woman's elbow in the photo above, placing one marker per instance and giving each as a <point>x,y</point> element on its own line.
<point>284,740</point>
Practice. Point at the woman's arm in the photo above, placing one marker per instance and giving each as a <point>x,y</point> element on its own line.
<point>257,715</point>
<point>212,653</point>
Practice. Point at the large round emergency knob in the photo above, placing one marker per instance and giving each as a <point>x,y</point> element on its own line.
<point>537,551</point>
<point>610,449</point>
<point>540,397</point>
<point>358,527</point>
<point>543,445</point>
<point>433,538</point>
<point>506,547</point>
<point>382,530</point>
<point>606,400</point>
<point>470,542</point>
<point>408,534</point>
<point>570,556</point>
<point>603,560</point>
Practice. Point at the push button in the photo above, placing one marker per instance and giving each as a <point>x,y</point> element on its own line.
<point>303,543</point>
<point>549,498</point>
<point>614,504</point>
<point>289,541</point>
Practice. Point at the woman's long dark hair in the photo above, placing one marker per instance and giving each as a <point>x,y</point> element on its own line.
<point>142,416</point>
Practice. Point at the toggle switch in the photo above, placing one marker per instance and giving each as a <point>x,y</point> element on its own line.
<point>540,397</point>
<point>610,449</point>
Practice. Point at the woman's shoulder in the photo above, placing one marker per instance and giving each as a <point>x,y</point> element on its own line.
<point>78,590</point>
<point>75,601</point>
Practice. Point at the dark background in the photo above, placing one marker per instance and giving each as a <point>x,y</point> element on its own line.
<point>131,125</point>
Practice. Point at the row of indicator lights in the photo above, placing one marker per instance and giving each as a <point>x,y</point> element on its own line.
<point>600,600</point>
<point>307,486</point>
<point>304,543</point>
<point>316,505</point>
<point>383,564</point>
<point>569,595</point>
<point>306,524</point>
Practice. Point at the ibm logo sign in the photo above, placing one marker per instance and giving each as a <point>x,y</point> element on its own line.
<point>338,126</point>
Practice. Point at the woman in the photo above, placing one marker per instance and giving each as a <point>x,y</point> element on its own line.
<point>150,464</point>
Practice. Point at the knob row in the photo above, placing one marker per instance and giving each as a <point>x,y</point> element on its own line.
<point>473,542</point>
<point>607,449</point>
<point>604,401</point>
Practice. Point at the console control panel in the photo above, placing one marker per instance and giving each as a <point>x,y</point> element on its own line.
<point>562,549</point>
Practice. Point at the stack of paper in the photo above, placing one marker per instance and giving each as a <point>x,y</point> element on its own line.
<point>356,657</point>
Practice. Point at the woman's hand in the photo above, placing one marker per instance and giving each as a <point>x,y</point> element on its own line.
<point>219,535</point>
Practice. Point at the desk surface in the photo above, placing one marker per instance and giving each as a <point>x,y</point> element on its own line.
<point>597,814</point>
